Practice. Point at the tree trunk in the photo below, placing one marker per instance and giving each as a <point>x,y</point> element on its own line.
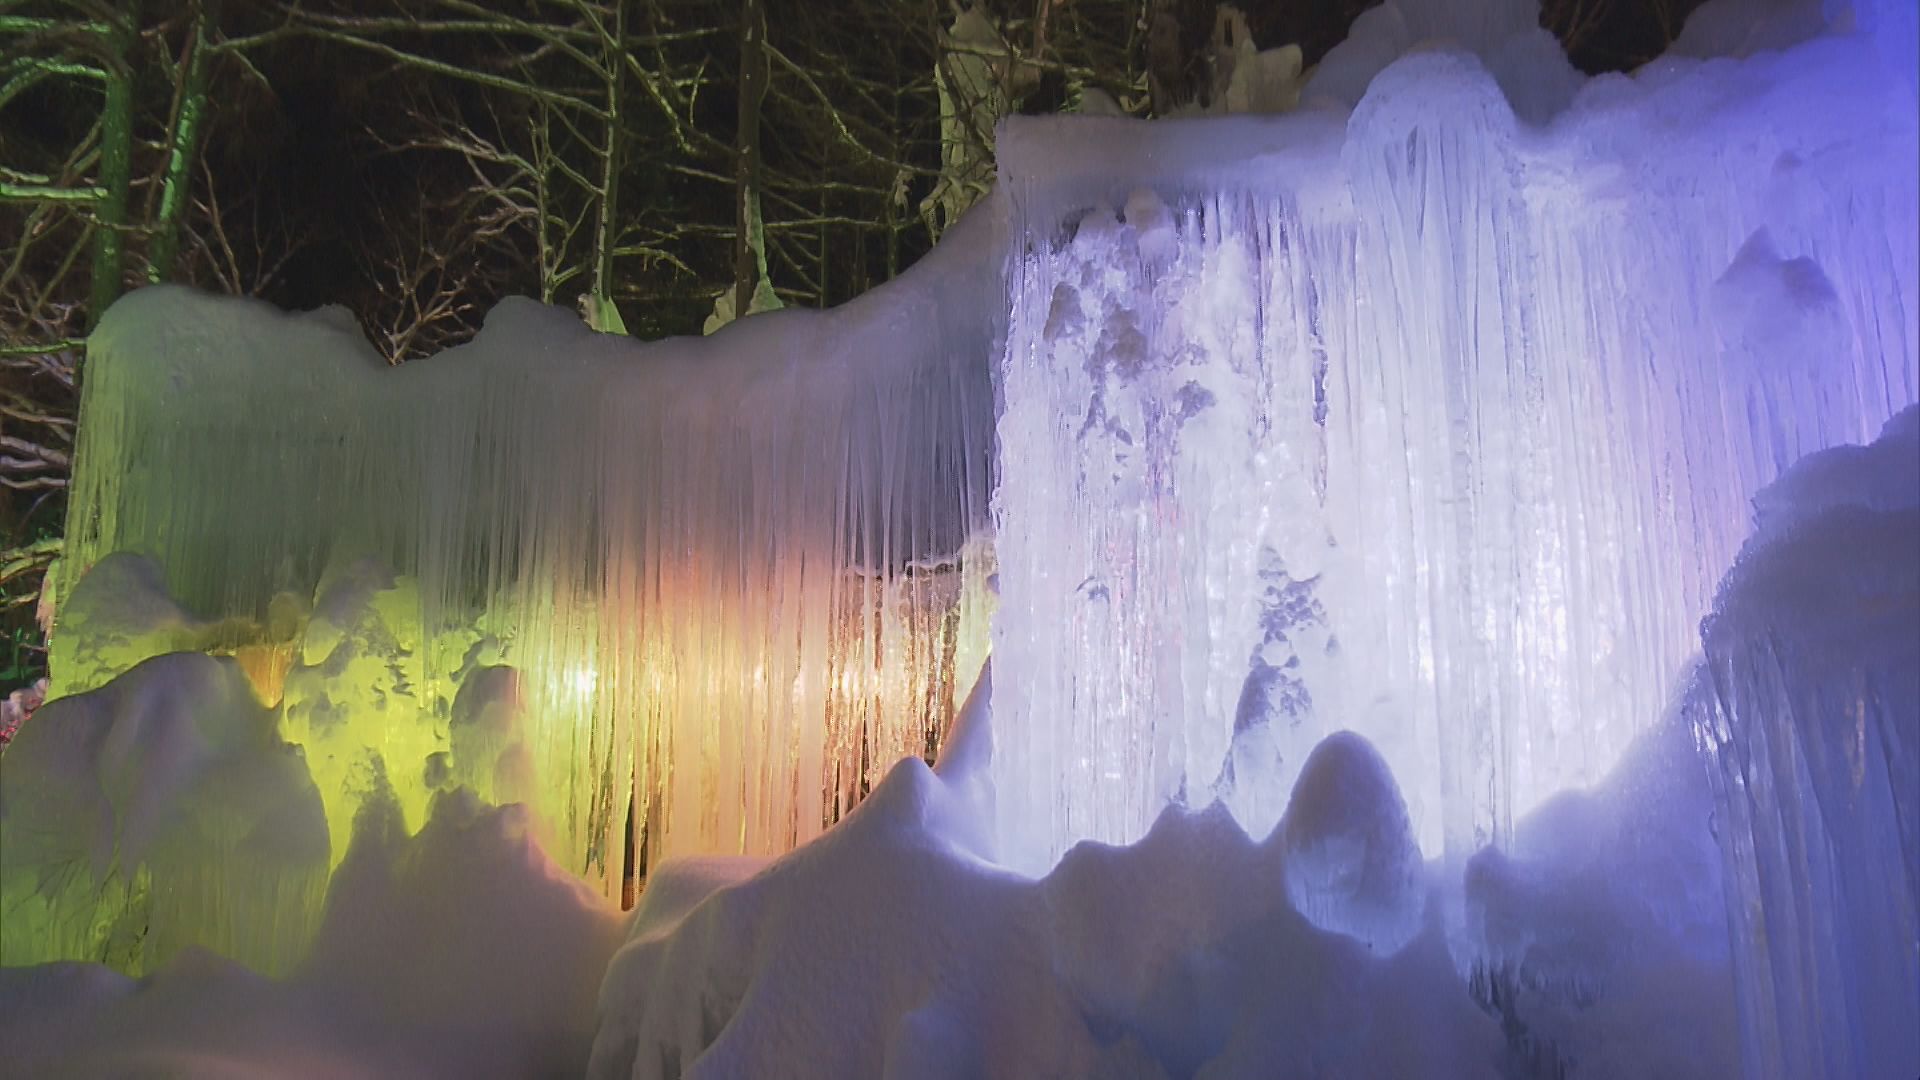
<point>183,145</point>
<point>116,165</point>
<point>603,315</point>
<point>750,244</point>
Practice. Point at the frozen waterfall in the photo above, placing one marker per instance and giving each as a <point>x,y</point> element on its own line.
<point>735,575</point>
<point>1434,412</point>
<point>1432,425</point>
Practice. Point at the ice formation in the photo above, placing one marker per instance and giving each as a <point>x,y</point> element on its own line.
<point>1431,412</point>
<point>1812,710</point>
<point>159,812</point>
<point>1418,426</point>
<point>733,574</point>
<point>1424,422</point>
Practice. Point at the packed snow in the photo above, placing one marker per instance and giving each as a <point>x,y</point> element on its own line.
<point>1452,554</point>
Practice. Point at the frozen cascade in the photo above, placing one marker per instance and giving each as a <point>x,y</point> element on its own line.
<point>735,573</point>
<point>1431,425</point>
<point>1425,421</point>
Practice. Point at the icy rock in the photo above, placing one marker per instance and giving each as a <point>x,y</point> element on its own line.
<point>1352,864</point>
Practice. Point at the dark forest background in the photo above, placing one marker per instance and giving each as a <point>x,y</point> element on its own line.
<point>655,164</point>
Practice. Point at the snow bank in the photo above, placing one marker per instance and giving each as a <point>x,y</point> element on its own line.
<point>1597,948</point>
<point>885,949</point>
<point>1600,934</point>
<point>460,952</point>
<point>159,812</point>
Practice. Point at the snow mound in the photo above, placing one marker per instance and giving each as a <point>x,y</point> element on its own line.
<point>884,949</point>
<point>159,812</point>
<point>460,952</point>
<point>1601,932</point>
<point>1353,866</point>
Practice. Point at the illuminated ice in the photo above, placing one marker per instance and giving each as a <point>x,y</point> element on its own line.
<point>159,812</point>
<point>735,575</point>
<point>1427,422</point>
<point>1433,414</point>
<point>1810,709</point>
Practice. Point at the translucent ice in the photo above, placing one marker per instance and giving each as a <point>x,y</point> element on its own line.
<point>733,573</point>
<point>1431,425</point>
<point>1813,653</point>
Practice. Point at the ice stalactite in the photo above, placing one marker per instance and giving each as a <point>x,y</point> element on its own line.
<point>736,574</point>
<point>1476,406</point>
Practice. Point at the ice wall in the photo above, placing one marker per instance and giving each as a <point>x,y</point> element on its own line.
<point>731,572</point>
<point>1810,709</point>
<point>1421,421</point>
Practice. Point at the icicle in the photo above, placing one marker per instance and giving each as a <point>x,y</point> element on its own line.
<point>737,576</point>
<point>1436,427</point>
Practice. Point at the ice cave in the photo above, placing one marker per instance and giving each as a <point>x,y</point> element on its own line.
<point>1423,584</point>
